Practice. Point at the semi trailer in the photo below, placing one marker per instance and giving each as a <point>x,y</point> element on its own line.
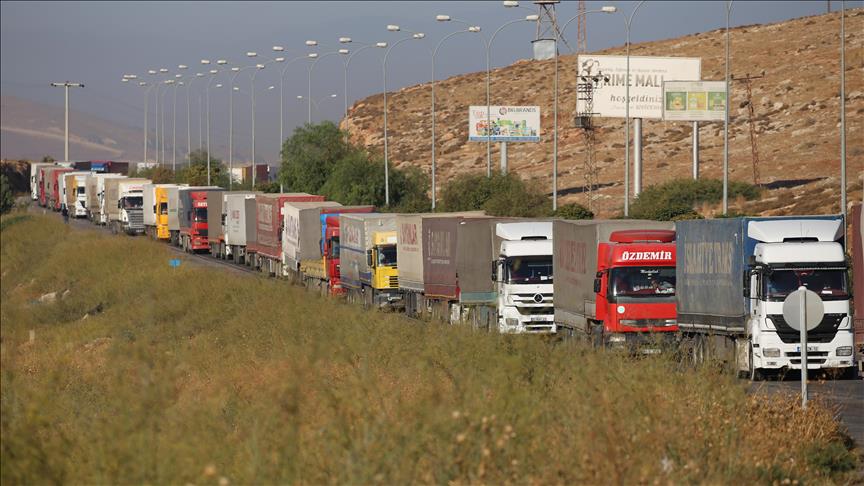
<point>265,253</point>
<point>615,282</point>
<point>301,238</point>
<point>858,266</point>
<point>368,260</point>
<point>74,193</point>
<point>217,218</point>
<point>54,196</point>
<point>323,271</point>
<point>240,225</point>
<point>733,276</point>
<point>36,178</point>
<point>95,187</point>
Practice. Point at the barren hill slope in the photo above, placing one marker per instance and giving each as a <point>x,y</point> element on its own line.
<point>796,106</point>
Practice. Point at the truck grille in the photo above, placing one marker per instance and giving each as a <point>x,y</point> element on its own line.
<point>201,232</point>
<point>136,219</point>
<point>394,282</point>
<point>533,299</point>
<point>823,333</point>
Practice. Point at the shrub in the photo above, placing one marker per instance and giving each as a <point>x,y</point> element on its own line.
<point>499,195</point>
<point>573,211</point>
<point>676,199</point>
<point>7,199</point>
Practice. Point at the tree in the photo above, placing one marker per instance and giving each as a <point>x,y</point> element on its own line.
<point>48,159</point>
<point>158,174</point>
<point>310,155</point>
<point>7,199</point>
<point>573,211</point>
<point>195,174</point>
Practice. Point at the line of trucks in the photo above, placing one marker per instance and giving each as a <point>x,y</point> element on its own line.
<point>712,289</point>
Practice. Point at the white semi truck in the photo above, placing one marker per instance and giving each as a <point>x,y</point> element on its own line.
<point>733,276</point>
<point>123,202</point>
<point>523,277</point>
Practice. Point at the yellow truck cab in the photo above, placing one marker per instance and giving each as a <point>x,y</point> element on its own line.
<point>382,261</point>
<point>161,199</point>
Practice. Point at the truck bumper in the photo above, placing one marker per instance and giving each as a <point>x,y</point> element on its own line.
<point>389,298</point>
<point>770,353</point>
<point>641,342</point>
<point>513,322</point>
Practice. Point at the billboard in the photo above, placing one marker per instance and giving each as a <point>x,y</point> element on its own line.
<point>694,100</point>
<point>509,123</point>
<point>647,75</point>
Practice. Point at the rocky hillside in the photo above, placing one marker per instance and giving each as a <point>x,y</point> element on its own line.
<point>796,109</point>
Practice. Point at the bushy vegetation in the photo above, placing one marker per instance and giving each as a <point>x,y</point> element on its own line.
<point>7,198</point>
<point>504,195</point>
<point>678,198</point>
<point>192,375</point>
<point>317,159</point>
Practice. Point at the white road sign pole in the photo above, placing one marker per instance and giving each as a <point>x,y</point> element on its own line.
<point>802,314</point>
<point>695,150</point>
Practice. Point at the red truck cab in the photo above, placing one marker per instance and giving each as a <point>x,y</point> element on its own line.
<point>331,254</point>
<point>197,232</point>
<point>635,282</point>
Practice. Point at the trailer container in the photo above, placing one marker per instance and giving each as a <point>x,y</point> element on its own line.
<point>266,251</point>
<point>410,248</point>
<point>239,225</point>
<point>733,276</point>
<point>858,280</point>
<point>615,281</point>
<point>216,222</point>
<point>35,178</point>
<point>369,270</point>
<point>95,189</point>
<point>55,198</point>
<point>192,213</point>
<point>109,167</point>
<point>322,273</point>
<point>74,195</point>
<point>301,234</point>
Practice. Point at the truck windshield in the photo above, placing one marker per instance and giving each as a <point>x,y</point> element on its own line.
<point>81,191</point>
<point>387,256</point>
<point>334,247</point>
<point>535,269</point>
<point>642,282</point>
<point>133,202</point>
<point>199,214</point>
<point>163,208</point>
<point>829,284</point>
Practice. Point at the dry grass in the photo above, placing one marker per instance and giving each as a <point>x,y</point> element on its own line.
<point>195,376</point>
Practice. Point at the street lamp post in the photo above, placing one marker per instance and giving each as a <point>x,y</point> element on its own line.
<point>161,108</point>
<point>317,103</point>
<point>231,90</point>
<point>637,176</point>
<point>315,58</point>
<point>258,67</point>
<point>726,119</point>
<point>213,73</point>
<point>528,18</point>
<point>843,108</point>
<point>558,34</point>
<point>414,35</point>
<point>282,96</point>
<point>471,29</point>
<point>347,63</point>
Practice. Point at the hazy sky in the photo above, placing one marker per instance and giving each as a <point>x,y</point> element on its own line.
<point>97,42</point>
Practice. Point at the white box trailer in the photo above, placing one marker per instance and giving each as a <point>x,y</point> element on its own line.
<point>34,178</point>
<point>74,195</point>
<point>123,203</point>
<point>98,214</point>
<point>301,232</point>
<point>240,210</point>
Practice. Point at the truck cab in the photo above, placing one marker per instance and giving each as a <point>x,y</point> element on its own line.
<point>195,238</point>
<point>523,276</point>
<point>330,252</point>
<point>79,191</point>
<point>381,258</point>
<point>788,254</point>
<point>131,205</point>
<point>161,210</point>
<point>635,283</point>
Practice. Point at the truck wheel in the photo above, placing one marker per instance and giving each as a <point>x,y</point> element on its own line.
<point>755,373</point>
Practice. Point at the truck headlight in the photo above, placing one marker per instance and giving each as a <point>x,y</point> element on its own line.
<point>844,351</point>
<point>511,321</point>
<point>771,352</point>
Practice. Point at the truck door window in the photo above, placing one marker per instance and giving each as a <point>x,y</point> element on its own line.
<point>199,215</point>
<point>829,284</point>
<point>334,247</point>
<point>535,269</point>
<point>163,208</point>
<point>642,282</point>
<point>387,256</point>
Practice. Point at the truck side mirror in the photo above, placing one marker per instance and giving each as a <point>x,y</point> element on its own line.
<point>494,271</point>
<point>596,285</point>
<point>369,258</point>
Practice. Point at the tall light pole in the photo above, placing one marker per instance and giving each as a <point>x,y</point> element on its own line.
<point>132,77</point>
<point>315,58</point>
<point>188,85</point>
<point>156,85</point>
<point>528,18</point>
<point>726,119</point>
<point>346,40</point>
<point>231,90</point>
<point>258,67</point>
<point>213,73</point>
<point>628,21</point>
<point>471,29</point>
<point>843,109</point>
<point>415,35</point>
<point>604,9</point>
<point>317,103</point>
<point>281,97</point>
<point>174,83</point>
<point>161,108</point>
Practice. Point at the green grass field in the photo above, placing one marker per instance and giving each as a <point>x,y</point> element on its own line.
<point>199,376</point>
